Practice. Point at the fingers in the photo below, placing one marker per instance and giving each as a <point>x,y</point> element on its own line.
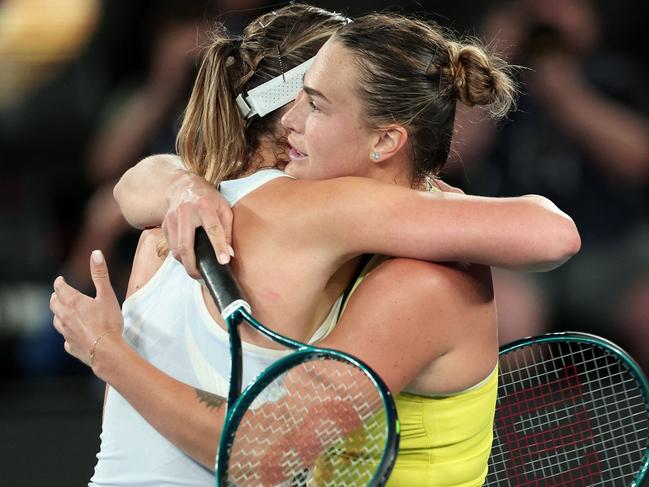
<point>184,250</point>
<point>199,205</point>
<point>189,216</point>
<point>66,293</point>
<point>226,217</point>
<point>58,323</point>
<point>170,229</point>
<point>99,274</point>
<point>218,226</point>
<point>64,313</point>
<point>217,238</point>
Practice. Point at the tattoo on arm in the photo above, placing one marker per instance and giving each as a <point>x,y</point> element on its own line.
<point>212,401</point>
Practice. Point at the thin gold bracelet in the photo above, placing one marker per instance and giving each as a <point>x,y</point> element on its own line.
<point>94,344</point>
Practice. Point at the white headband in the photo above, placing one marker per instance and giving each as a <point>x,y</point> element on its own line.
<point>275,93</point>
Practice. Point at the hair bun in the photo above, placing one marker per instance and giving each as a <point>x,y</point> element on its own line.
<point>479,78</point>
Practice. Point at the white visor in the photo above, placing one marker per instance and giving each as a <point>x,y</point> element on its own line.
<point>275,93</point>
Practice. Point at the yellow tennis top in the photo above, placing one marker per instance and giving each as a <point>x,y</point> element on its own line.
<point>445,440</point>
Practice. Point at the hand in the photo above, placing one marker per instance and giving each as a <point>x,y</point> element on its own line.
<point>84,321</point>
<point>194,203</point>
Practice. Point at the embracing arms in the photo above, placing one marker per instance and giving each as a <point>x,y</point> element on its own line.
<point>192,419</point>
<point>524,233</point>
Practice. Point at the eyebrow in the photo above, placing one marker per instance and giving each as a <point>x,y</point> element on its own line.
<point>313,92</point>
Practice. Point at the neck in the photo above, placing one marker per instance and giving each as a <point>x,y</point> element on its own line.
<point>395,170</point>
<point>268,154</point>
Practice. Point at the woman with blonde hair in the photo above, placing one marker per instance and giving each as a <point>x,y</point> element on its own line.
<point>368,135</point>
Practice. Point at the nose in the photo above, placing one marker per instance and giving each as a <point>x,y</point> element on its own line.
<point>293,119</point>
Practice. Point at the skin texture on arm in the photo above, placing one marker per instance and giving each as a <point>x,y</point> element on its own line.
<point>190,418</point>
<point>526,233</point>
<point>344,214</point>
<point>180,201</point>
<point>394,334</point>
<point>425,327</point>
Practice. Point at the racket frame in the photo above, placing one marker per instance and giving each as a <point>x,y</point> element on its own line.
<point>228,297</point>
<point>301,354</point>
<point>590,339</point>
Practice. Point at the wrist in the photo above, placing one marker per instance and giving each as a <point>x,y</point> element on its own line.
<point>183,183</point>
<point>106,354</point>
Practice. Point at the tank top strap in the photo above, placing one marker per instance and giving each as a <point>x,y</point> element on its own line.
<point>235,189</point>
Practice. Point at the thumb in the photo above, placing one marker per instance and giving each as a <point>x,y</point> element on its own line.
<point>99,274</point>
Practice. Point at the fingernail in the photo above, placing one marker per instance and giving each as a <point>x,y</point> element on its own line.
<point>223,258</point>
<point>230,251</point>
<point>97,257</point>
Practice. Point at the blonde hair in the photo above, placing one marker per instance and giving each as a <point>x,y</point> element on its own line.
<point>215,140</point>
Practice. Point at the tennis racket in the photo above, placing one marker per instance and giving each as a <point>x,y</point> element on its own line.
<point>316,417</point>
<point>572,410</point>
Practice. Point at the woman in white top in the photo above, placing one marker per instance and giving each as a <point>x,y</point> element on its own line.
<point>297,242</point>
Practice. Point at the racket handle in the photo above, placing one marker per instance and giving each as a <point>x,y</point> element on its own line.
<point>218,278</point>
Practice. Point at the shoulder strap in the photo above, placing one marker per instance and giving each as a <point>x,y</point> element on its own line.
<point>362,263</point>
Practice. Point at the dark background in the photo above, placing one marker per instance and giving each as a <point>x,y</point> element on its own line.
<point>77,83</point>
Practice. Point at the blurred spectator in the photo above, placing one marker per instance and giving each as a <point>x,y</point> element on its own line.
<point>139,115</point>
<point>580,137</point>
<point>37,37</point>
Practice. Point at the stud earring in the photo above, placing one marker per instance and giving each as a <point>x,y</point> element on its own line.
<point>375,155</point>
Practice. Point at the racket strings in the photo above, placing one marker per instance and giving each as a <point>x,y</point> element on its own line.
<point>567,414</point>
<point>325,427</point>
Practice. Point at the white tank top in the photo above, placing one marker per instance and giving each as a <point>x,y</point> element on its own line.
<point>167,322</point>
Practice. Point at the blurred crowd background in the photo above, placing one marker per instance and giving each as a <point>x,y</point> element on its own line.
<point>87,87</point>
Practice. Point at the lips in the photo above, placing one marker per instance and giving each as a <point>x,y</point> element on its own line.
<point>295,154</point>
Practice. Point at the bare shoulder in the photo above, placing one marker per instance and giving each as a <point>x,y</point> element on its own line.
<point>432,282</point>
<point>146,261</point>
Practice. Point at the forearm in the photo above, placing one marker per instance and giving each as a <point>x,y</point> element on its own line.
<point>189,418</point>
<point>142,192</point>
<point>524,233</point>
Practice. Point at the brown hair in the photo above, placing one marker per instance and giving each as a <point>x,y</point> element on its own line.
<point>412,73</point>
<point>215,140</point>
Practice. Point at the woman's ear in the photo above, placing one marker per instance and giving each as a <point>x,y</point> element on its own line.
<point>388,142</point>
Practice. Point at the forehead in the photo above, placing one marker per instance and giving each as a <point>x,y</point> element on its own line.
<point>333,73</point>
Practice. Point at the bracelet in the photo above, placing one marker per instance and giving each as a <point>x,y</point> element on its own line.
<point>94,344</point>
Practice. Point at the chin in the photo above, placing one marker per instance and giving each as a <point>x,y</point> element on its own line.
<point>297,169</point>
<point>289,169</point>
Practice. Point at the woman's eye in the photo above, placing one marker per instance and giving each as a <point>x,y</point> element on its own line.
<point>313,106</point>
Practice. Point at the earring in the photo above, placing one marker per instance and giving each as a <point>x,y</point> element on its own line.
<point>375,155</point>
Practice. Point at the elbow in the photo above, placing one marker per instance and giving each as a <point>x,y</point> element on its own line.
<point>123,195</point>
<point>560,237</point>
<point>120,191</point>
<point>567,242</point>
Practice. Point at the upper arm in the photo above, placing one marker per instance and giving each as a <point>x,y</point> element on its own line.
<point>141,192</point>
<point>405,315</point>
<point>359,215</point>
<point>146,261</point>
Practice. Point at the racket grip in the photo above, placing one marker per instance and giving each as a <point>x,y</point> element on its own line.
<point>218,278</point>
